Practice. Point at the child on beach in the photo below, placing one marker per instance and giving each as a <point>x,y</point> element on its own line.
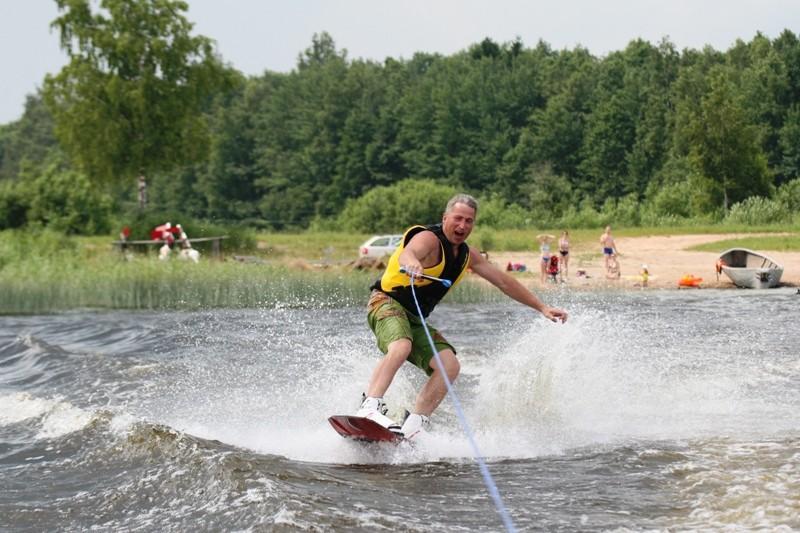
<point>552,269</point>
<point>612,271</point>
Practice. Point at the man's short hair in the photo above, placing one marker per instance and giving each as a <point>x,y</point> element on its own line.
<point>462,198</point>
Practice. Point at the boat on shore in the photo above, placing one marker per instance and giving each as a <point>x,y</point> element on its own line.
<point>749,269</point>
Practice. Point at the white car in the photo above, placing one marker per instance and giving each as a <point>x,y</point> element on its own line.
<point>379,246</point>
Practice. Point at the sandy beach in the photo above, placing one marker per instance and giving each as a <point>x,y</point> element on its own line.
<point>667,258</point>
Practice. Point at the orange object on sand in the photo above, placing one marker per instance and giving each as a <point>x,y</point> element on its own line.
<point>689,280</point>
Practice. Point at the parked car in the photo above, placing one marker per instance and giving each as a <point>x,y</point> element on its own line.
<point>379,246</point>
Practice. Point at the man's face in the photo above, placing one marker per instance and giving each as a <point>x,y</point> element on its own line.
<point>457,223</point>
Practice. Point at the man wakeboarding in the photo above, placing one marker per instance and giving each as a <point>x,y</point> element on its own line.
<point>436,258</point>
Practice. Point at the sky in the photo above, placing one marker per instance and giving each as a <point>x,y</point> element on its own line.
<point>258,35</point>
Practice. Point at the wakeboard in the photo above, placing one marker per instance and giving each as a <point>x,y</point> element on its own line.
<point>362,429</point>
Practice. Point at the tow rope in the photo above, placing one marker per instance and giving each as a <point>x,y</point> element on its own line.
<point>487,477</point>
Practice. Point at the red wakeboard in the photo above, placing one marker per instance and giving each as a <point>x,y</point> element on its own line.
<point>362,429</point>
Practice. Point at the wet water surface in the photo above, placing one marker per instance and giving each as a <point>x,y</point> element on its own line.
<point>653,410</point>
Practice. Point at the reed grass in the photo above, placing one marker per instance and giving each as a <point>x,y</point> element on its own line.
<point>151,284</point>
<point>146,283</point>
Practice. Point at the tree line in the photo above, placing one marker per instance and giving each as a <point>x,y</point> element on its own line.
<point>649,134</point>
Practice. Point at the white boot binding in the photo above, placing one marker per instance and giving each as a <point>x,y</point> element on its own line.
<point>414,425</point>
<point>375,409</point>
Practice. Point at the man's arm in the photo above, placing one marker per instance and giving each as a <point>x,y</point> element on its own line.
<point>423,250</point>
<point>512,287</point>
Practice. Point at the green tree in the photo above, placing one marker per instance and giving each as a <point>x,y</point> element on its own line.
<point>228,182</point>
<point>546,195</point>
<point>725,145</point>
<point>298,136</point>
<point>790,144</point>
<point>130,101</point>
<point>765,92</point>
<point>28,141</point>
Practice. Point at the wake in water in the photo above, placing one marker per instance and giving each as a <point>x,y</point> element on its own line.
<point>121,417</point>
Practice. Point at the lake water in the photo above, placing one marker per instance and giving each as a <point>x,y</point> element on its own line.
<point>654,410</point>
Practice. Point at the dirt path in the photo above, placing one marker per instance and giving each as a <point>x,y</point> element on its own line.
<point>666,257</point>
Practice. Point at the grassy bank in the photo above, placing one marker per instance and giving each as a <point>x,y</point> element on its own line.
<point>770,243</point>
<point>46,272</point>
<point>150,284</point>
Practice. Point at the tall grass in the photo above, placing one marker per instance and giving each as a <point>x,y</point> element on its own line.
<point>47,272</point>
<point>150,284</point>
<point>146,283</point>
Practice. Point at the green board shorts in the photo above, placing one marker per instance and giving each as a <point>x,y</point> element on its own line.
<point>389,321</point>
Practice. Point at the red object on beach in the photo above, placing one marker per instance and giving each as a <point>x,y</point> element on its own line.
<point>689,281</point>
<point>363,429</point>
<point>552,268</point>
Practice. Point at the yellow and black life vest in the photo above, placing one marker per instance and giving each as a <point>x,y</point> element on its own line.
<point>398,284</point>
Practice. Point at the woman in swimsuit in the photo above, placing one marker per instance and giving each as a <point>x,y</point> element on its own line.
<point>563,249</point>
<point>544,251</point>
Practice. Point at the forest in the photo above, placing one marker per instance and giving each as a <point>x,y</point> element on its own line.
<point>649,135</point>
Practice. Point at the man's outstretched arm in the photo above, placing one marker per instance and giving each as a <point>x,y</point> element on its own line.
<point>513,288</point>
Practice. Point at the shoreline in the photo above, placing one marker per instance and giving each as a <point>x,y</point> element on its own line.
<point>667,259</point>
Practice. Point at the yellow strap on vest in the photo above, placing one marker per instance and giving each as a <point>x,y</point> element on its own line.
<point>392,277</point>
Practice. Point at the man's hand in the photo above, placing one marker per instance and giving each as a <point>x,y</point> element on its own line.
<point>412,269</point>
<point>422,248</point>
<point>554,314</point>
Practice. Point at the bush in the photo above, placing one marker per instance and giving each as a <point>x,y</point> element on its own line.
<point>485,239</point>
<point>788,195</point>
<point>36,246</point>
<point>14,205</point>
<point>670,201</point>
<point>758,211</point>
<point>652,220</point>
<point>496,213</point>
<point>395,207</point>
<point>240,238</point>
<point>584,217</point>
<point>623,211</point>
<point>546,194</point>
<point>66,201</point>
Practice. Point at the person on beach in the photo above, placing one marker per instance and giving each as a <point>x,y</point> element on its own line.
<point>436,250</point>
<point>613,271</point>
<point>544,254</point>
<point>645,274</point>
<point>187,253</point>
<point>164,233</point>
<point>609,250</point>
<point>563,250</point>
<point>553,269</point>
